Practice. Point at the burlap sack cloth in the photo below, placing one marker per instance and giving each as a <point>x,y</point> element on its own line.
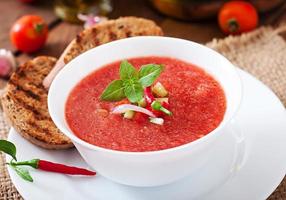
<point>261,52</point>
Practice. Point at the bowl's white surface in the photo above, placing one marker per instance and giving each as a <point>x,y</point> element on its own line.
<point>146,168</point>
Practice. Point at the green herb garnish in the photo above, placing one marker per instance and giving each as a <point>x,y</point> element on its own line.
<point>131,82</point>
<point>22,172</point>
<point>114,91</point>
<point>149,73</point>
<point>10,149</point>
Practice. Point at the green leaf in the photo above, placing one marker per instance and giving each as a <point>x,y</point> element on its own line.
<point>8,148</point>
<point>149,73</point>
<point>133,91</point>
<point>114,91</point>
<point>22,172</point>
<point>127,71</point>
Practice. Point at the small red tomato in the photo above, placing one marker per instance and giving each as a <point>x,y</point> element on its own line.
<point>29,33</point>
<point>237,16</point>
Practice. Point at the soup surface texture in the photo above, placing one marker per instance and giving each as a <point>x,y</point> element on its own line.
<point>196,100</point>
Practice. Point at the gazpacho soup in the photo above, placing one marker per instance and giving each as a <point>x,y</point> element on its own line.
<point>145,104</point>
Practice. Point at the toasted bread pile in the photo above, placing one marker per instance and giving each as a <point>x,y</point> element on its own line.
<point>25,99</point>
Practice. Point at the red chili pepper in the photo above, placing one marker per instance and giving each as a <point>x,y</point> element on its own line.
<point>150,99</point>
<point>148,96</point>
<point>166,105</point>
<point>64,169</point>
<point>55,167</point>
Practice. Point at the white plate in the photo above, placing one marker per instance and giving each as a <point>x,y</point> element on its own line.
<point>262,119</point>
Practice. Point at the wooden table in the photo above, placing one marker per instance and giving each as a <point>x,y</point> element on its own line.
<point>61,33</point>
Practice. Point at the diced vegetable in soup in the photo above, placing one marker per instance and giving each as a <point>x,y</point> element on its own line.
<point>145,104</point>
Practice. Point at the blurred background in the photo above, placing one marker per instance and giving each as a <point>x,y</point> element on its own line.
<point>195,20</point>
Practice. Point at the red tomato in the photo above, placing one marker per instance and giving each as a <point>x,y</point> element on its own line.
<point>140,117</point>
<point>29,33</point>
<point>237,16</point>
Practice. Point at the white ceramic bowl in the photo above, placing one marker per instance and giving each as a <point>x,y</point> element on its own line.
<point>146,168</point>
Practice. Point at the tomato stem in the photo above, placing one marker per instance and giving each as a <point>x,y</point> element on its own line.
<point>39,27</point>
<point>233,25</point>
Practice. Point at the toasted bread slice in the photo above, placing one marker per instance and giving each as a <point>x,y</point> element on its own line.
<point>25,105</point>
<point>108,31</point>
<point>102,33</point>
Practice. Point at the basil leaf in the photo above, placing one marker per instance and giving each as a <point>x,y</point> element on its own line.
<point>133,91</point>
<point>8,148</point>
<point>22,172</point>
<point>149,73</point>
<point>114,91</point>
<point>127,71</point>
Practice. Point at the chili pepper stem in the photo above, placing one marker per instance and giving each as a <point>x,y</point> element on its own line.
<point>32,163</point>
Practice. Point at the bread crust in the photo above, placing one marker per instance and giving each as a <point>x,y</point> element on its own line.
<point>108,31</point>
<point>24,103</point>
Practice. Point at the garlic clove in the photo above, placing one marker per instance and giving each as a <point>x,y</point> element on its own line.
<point>7,63</point>
<point>90,20</point>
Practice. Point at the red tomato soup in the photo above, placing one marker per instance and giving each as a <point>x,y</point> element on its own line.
<point>196,100</point>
